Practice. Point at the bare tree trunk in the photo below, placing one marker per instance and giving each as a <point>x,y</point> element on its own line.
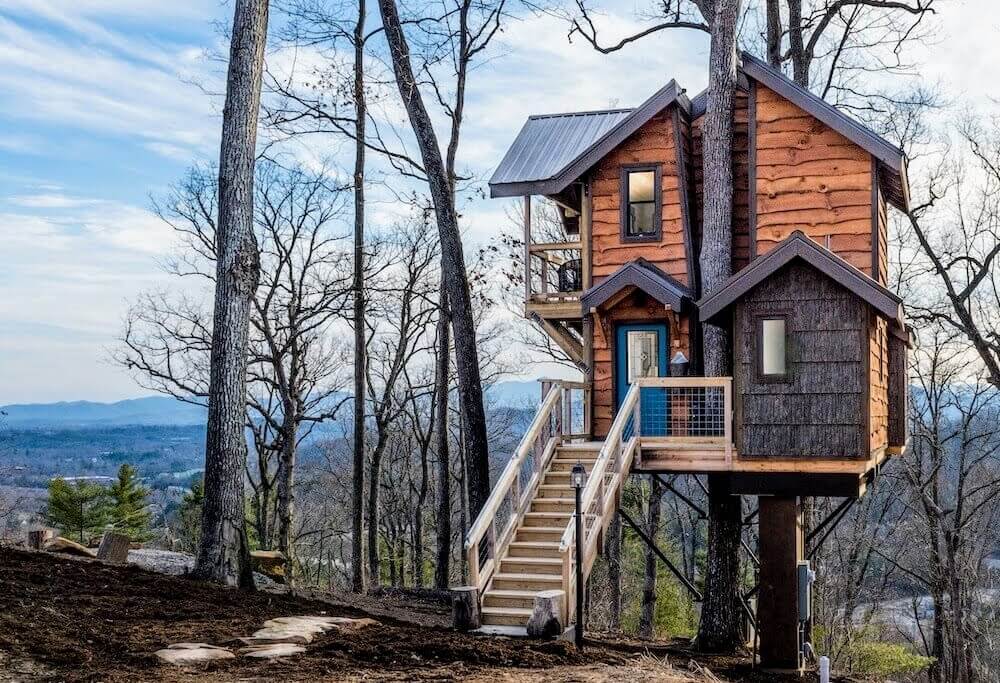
<point>442,568</point>
<point>796,47</point>
<point>286,481</point>
<point>774,33</point>
<point>719,629</point>
<point>418,521</point>
<point>223,553</point>
<point>360,342</point>
<point>613,552</point>
<point>647,620</point>
<point>452,261</point>
<point>374,475</point>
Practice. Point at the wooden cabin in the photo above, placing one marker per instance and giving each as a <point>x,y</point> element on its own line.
<point>816,399</point>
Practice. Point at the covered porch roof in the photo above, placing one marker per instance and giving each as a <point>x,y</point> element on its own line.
<point>644,276</point>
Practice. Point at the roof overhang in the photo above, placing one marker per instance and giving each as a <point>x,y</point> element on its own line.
<point>507,183</point>
<point>798,246</point>
<point>644,276</point>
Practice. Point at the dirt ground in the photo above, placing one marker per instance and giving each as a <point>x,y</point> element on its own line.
<point>69,619</point>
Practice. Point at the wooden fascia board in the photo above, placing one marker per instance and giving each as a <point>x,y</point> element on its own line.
<point>800,246</point>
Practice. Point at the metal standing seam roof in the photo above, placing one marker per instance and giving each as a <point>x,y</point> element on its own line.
<point>549,142</point>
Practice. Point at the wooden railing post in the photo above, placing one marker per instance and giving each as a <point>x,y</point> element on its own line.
<point>472,557</point>
<point>727,417</point>
<point>527,248</point>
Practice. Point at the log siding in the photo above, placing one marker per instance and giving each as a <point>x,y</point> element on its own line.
<point>811,178</point>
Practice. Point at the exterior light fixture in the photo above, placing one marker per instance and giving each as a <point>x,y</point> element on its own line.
<point>578,476</point>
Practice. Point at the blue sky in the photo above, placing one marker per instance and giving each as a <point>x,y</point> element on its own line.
<point>104,103</point>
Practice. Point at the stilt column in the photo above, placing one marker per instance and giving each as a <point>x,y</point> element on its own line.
<point>781,548</point>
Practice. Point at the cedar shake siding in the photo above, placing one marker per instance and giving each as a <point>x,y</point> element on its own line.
<point>810,178</point>
<point>653,144</point>
<point>819,412</point>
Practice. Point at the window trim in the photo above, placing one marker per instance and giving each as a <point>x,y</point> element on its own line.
<point>657,234</point>
<point>758,348</point>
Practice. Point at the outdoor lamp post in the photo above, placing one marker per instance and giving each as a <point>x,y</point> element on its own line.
<point>578,477</point>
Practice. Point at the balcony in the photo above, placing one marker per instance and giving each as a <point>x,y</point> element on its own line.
<point>557,264</point>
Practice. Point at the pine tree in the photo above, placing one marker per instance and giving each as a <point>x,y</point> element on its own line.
<point>189,516</point>
<point>81,509</point>
<point>130,505</point>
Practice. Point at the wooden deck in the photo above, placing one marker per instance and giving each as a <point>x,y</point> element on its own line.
<point>554,306</point>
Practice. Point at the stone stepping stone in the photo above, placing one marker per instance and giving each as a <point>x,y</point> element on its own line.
<point>272,651</point>
<point>183,654</point>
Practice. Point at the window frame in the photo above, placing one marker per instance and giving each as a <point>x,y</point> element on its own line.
<point>758,348</point>
<point>657,233</point>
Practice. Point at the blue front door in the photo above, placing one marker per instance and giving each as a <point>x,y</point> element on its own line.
<point>641,351</point>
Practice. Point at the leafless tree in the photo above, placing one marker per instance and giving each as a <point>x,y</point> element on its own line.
<point>293,365</point>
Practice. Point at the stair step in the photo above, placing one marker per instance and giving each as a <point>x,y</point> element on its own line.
<point>520,582</point>
<point>533,549</point>
<point>527,534</point>
<point>546,519</point>
<point>584,446</point>
<point>510,598</point>
<point>505,616</point>
<point>567,505</point>
<point>565,465</point>
<point>531,565</point>
<point>546,490</point>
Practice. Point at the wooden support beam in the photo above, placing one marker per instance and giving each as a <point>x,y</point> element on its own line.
<point>562,337</point>
<point>781,548</point>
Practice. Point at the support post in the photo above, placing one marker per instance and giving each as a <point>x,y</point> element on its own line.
<point>527,248</point>
<point>781,548</point>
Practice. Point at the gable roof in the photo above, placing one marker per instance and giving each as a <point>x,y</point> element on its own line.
<point>643,275</point>
<point>798,246</point>
<point>551,152</point>
<point>891,160</point>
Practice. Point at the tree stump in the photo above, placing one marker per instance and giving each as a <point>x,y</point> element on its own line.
<point>38,537</point>
<point>546,615</point>
<point>465,612</point>
<point>114,547</point>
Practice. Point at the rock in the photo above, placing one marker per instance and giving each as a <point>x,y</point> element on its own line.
<point>350,624</point>
<point>272,651</point>
<point>182,654</point>
<point>284,634</point>
<point>546,615</point>
<point>114,547</point>
<point>175,563</point>
<point>64,545</point>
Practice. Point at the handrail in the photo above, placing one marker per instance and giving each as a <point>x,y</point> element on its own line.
<point>597,472</point>
<point>506,478</point>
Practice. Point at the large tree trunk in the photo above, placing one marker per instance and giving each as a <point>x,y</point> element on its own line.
<point>647,619</point>
<point>719,629</point>
<point>360,341</point>
<point>442,567</point>
<point>286,482</point>
<point>774,33</point>
<point>452,261</point>
<point>796,45</point>
<point>223,554</point>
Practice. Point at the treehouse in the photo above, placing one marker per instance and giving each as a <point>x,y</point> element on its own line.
<point>816,399</point>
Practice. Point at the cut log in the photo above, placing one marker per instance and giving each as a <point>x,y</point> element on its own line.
<point>465,612</point>
<point>545,621</point>
<point>270,563</point>
<point>37,538</point>
<point>64,545</point>
<point>114,547</point>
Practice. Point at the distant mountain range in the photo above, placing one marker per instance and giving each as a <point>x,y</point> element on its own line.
<point>165,411</point>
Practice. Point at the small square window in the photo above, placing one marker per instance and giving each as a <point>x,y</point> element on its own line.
<point>771,348</point>
<point>640,203</point>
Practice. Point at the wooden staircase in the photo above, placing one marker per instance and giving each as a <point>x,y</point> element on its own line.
<point>523,541</point>
<point>532,561</point>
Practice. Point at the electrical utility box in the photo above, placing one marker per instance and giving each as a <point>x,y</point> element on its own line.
<point>806,577</point>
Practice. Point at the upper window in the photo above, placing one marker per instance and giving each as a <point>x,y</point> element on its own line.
<point>772,348</point>
<point>641,203</point>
